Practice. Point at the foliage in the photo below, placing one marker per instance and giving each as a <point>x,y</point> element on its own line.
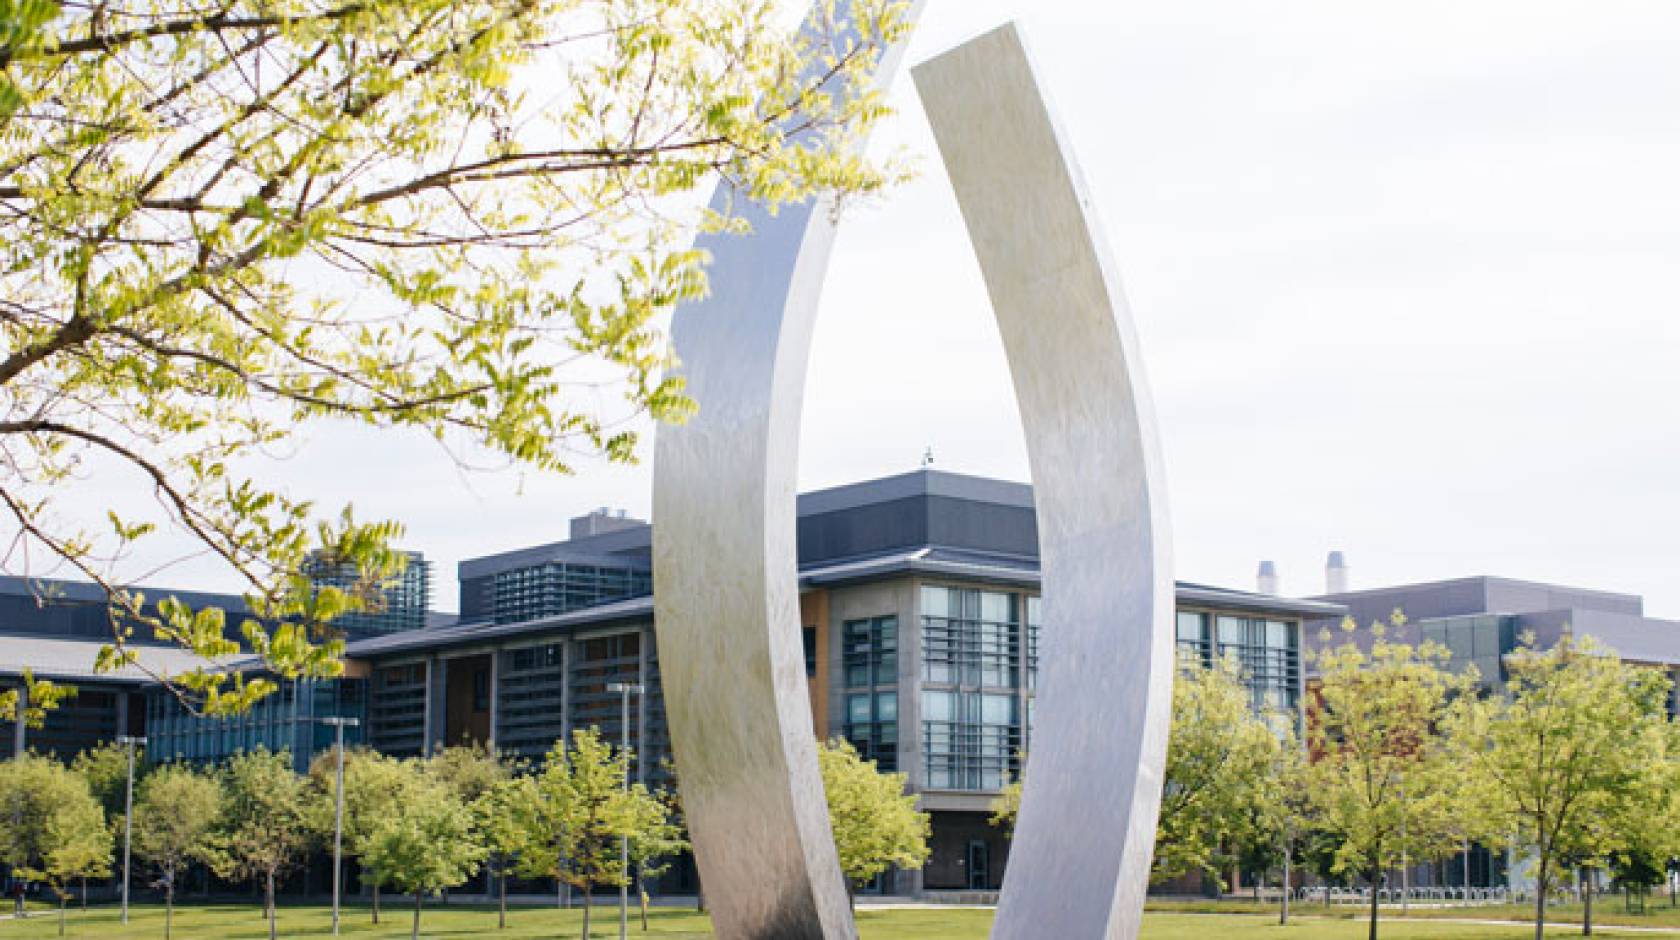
<point>78,843</point>
<point>425,843</point>
<point>501,816</point>
<point>1220,756</point>
<point>373,783</point>
<point>36,696</point>
<point>469,771</point>
<point>32,789</point>
<point>1006,806</point>
<point>579,810</point>
<point>105,768</point>
<point>176,813</point>
<point>1571,764</point>
<point>876,824</point>
<point>270,821</point>
<point>1382,781</point>
<point>225,222</point>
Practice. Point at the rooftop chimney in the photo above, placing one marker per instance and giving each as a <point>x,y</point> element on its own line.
<point>1268,578</point>
<point>1336,574</point>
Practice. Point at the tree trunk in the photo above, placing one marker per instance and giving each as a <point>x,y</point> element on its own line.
<point>376,905</point>
<point>588,902</point>
<point>641,897</point>
<point>168,907</point>
<point>1376,875</point>
<point>1540,901</point>
<point>418,897</point>
<point>61,903</point>
<point>501,914</point>
<point>1586,901</point>
<point>268,899</point>
<point>84,893</point>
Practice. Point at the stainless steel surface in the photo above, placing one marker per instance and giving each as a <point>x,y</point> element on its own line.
<point>727,606</point>
<point>1079,864</point>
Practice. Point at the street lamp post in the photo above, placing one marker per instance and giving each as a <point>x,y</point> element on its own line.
<point>338,725</point>
<point>625,690</point>
<point>128,813</point>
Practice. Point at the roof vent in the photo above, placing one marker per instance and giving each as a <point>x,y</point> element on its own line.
<point>1336,574</point>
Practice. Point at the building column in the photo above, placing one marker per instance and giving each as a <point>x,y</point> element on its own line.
<point>495,694</point>
<point>909,673</point>
<point>426,708</point>
<point>643,647</point>
<point>566,691</point>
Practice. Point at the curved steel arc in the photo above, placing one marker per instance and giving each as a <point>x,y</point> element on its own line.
<point>727,608</point>
<point>1079,862</point>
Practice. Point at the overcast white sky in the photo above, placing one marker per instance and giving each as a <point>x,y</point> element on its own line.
<point>1407,279</point>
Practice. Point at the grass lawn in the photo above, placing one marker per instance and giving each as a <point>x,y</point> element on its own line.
<point>1607,910</point>
<point>233,922</point>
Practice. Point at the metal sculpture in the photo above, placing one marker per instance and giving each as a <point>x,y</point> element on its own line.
<point>727,606</point>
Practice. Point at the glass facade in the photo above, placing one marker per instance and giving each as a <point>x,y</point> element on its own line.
<point>869,656</point>
<point>972,680</point>
<point>532,711</point>
<point>1268,652</point>
<point>288,720</point>
<point>1481,641</point>
<point>397,709</point>
<point>401,604</point>
<point>523,594</point>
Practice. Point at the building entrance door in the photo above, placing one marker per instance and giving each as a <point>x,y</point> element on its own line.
<point>979,866</point>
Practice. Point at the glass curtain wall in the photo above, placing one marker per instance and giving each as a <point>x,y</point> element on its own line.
<point>972,668</point>
<point>869,654</point>
<point>1267,651</point>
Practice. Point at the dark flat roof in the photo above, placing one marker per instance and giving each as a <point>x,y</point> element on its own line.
<point>924,482</point>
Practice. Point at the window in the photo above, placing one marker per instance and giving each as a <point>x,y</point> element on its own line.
<point>973,668</point>
<point>869,653</point>
<point>1267,652</point>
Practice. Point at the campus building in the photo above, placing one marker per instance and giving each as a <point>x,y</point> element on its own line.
<point>922,627</point>
<point>54,629</point>
<point>1481,620</point>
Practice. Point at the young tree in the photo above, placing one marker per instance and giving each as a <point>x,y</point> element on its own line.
<point>469,771</point>
<point>224,222</point>
<point>373,783</point>
<point>78,844</point>
<point>176,814</point>
<point>1383,782</point>
<point>270,820</point>
<point>31,787</point>
<point>1572,761</point>
<point>876,824</point>
<point>105,768</point>
<point>1219,756</point>
<point>1006,806</point>
<point>580,812</point>
<point>659,838</point>
<point>502,817</point>
<point>425,844</point>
